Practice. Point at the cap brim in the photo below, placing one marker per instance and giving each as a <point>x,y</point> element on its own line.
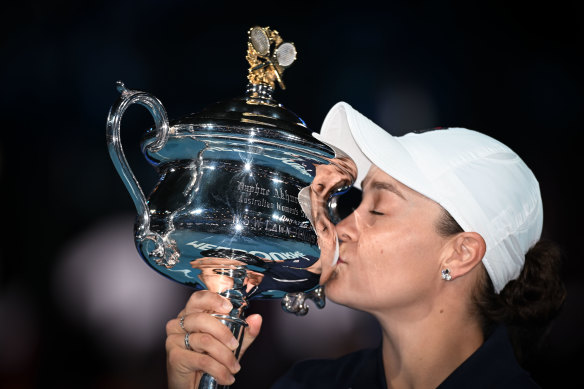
<point>336,133</point>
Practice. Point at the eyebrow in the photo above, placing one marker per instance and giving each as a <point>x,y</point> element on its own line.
<point>384,186</point>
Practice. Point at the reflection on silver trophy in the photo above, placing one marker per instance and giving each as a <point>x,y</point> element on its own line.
<point>244,203</point>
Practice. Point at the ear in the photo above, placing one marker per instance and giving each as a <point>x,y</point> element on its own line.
<point>467,250</point>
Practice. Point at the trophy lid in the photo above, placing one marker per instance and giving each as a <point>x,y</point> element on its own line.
<point>256,109</point>
<point>268,56</point>
<point>256,115</point>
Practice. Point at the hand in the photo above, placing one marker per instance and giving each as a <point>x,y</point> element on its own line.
<point>211,341</point>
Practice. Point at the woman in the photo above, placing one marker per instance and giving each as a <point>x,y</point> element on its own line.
<point>443,251</point>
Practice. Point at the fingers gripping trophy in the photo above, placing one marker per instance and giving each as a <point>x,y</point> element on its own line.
<point>244,202</point>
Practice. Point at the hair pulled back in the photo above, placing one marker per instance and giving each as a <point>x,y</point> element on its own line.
<point>526,305</point>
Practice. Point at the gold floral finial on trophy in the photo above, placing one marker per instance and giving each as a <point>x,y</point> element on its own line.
<point>268,56</point>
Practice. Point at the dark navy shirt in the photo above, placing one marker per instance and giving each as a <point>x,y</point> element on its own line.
<point>493,365</point>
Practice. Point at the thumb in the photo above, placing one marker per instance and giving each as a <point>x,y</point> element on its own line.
<point>251,332</point>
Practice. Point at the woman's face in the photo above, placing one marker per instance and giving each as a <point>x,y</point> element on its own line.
<point>389,251</point>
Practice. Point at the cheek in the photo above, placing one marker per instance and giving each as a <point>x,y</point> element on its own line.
<point>379,255</point>
<point>398,249</point>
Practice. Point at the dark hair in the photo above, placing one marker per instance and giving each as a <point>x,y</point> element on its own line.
<point>526,305</point>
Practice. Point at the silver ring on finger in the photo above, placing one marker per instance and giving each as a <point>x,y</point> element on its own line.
<point>181,322</point>
<point>187,344</point>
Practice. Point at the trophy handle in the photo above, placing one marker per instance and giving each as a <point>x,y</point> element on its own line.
<point>128,97</point>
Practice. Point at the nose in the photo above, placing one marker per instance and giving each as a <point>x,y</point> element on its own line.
<point>347,230</point>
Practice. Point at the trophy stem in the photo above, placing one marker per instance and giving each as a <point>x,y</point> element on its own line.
<point>235,320</point>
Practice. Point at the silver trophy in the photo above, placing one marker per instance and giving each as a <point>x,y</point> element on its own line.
<point>246,197</point>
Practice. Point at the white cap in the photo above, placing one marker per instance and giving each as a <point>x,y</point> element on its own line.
<point>481,182</point>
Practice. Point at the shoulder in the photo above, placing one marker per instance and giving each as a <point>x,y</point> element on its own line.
<point>493,365</point>
<point>345,372</point>
<point>521,381</point>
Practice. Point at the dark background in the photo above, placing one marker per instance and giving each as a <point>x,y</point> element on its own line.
<point>70,317</point>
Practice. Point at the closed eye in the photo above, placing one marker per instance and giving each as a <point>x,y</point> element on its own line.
<point>374,212</point>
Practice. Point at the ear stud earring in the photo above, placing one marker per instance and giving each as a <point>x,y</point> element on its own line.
<point>446,274</point>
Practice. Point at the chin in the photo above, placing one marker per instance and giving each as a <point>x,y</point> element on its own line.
<point>334,289</point>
